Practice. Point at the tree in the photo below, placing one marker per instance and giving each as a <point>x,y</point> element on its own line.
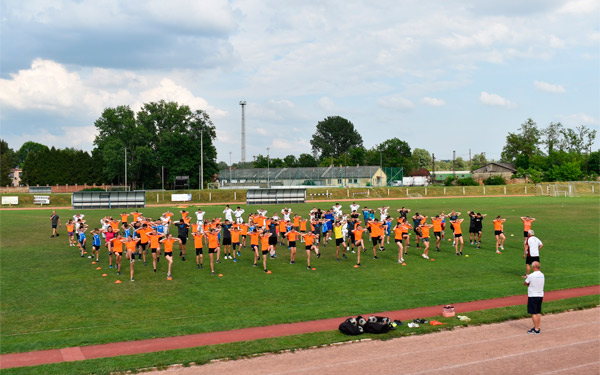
<point>391,153</point>
<point>334,136</point>
<point>524,143</point>
<point>421,158</point>
<point>26,148</point>
<point>553,134</point>
<point>478,161</point>
<point>565,172</point>
<point>578,140</point>
<point>260,162</point>
<point>7,161</point>
<point>290,161</point>
<point>307,160</point>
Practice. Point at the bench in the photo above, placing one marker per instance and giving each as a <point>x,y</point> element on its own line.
<point>41,199</point>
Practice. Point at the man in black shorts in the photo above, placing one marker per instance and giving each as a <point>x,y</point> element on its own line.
<point>55,219</point>
<point>182,234</point>
<point>273,237</point>
<point>227,240</point>
<point>535,295</point>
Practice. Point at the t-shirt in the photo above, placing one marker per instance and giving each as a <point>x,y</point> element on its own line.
<point>533,244</point>
<point>143,233</point>
<point>337,231</point>
<point>498,224</point>
<point>168,244</point>
<point>536,282</point>
<point>200,216</point>
<point>55,219</point>
<point>154,240</point>
<point>124,218</point>
<point>292,235</point>
<point>182,229</point>
<point>264,242</point>
<point>117,245</point>
<point>424,232</point>
<point>213,240</point>
<point>254,238</point>
<point>130,245</point>
<point>308,239</point>
<point>197,240</point>
<point>527,225</point>
<point>437,224</point>
<point>226,231</point>
<point>456,226</point>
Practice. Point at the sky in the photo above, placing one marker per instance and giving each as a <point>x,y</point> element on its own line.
<point>442,75</point>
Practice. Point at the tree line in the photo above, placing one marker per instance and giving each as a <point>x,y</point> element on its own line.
<point>155,137</point>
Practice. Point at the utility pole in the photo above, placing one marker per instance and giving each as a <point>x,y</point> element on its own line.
<point>162,177</point>
<point>125,168</point>
<point>453,164</point>
<point>243,104</point>
<point>230,180</point>
<point>470,161</point>
<point>268,162</point>
<point>201,174</point>
<point>433,165</point>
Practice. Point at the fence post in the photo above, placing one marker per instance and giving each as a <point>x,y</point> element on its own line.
<point>235,195</point>
<point>368,192</point>
<point>483,189</point>
<point>407,192</point>
<point>592,188</point>
<point>504,189</point>
<point>388,192</point>
<point>525,189</point>
<point>463,190</point>
<point>444,191</point>
<point>156,198</point>
<point>348,193</point>
<point>425,191</point>
<point>210,196</point>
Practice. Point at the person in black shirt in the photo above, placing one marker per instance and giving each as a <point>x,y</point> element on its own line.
<point>227,240</point>
<point>182,234</point>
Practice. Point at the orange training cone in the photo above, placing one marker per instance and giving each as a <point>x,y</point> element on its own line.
<point>98,268</point>
<point>104,275</point>
<point>220,275</point>
<point>118,282</point>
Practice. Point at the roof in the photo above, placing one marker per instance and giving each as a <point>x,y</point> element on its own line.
<point>306,173</point>
<point>496,167</point>
<point>420,172</point>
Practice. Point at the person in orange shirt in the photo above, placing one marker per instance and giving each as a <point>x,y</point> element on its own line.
<point>398,238</point>
<point>265,246</point>
<point>254,242</point>
<point>425,238</point>
<point>117,249</point>
<point>153,237</point>
<point>243,233</point>
<point>437,231</point>
<point>405,234</point>
<point>136,215</point>
<point>376,235</point>
<point>142,233</point>
<point>527,221</point>
<point>198,242</point>
<point>296,222</point>
<point>213,246</point>
<point>235,241</point>
<point>115,225</point>
<point>303,225</point>
<point>168,242</point>
<point>292,236</point>
<point>184,214</point>
<point>309,242</point>
<point>124,217</point>
<point>130,245</point>
<point>282,226</point>
<point>71,232</point>
<point>457,235</point>
<point>499,233</point>
<point>358,242</point>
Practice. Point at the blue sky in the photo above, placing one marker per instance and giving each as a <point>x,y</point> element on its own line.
<point>442,75</point>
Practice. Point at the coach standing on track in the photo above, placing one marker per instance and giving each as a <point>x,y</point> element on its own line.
<point>533,245</point>
<point>535,294</point>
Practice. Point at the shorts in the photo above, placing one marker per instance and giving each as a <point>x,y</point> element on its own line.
<point>497,232</point>
<point>530,260</point>
<point>425,239</point>
<point>198,251</point>
<point>526,234</point>
<point>534,305</point>
<point>339,241</point>
<point>153,250</point>
<point>265,252</point>
<point>375,240</point>
<point>118,253</point>
<point>54,226</point>
<point>398,241</point>
<point>308,247</point>
<point>143,245</point>
<point>183,239</point>
<point>457,235</point>
<point>96,247</point>
<point>405,236</point>
<point>478,229</point>
<point>170,254</point>
<point>212,250</point>
<point>254,247</point>
<point>417,232</point>
<point>70,234</point>
<point>473,230</point>
<point>443,226</point>
<point>243,236</point>
<point>437,234</point>
<point>226,241</point>
<point>292,244</point>
<point>273,240</point>
<point>235,245</point>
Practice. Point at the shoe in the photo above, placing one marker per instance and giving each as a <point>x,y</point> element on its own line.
<point>52,236</point>
<point>212,273</point>
<point>97,260</point>
<point>408,245</point>
<point>437,249</point>
<point>424,256</point>
<point>197,266</point>
<point>498,252</point>
<point>234,260</point>
<point>144,263</point>
<point>375,257</point>
<point>218,260</point>
<point>353,252</point>
<point>82,255</point>
<point>406,253</point>
<point>318,255</point>
<point>453,243</point>
<point>90,257</point>
<point>502,247</point>
<point>183,259</point>
<point>418,247</point>
<point>272,257</point>
<point>169,278</point>
<point>255,265</point>
<point>155,270</point>
<point>308,268</point>
<point>401,260</point>
<point>460,253</point>
<point>201,266</point>
<point>238,254</point>
<point>358,264</point>
<point>344,256</point>
<point>266,271</point>
<point>118,273</point>
<point>478,247</point>
<point>180,252</point>
<point>533,331</point>
<point>338,259</point>
<point>132,279</point>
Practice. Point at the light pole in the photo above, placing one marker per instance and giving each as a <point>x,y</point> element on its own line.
<point>201,172</point>
<point>243,104</point>
<point>125,168</point>
<point>268,162</point>
<point>230,181</point>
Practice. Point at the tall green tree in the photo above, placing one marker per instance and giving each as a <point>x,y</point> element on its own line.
<point>524,144</point>
<point>421,158</point>
<point>7,161</point>
<point>391,153</point>
<point>334,136</point>
<point>307,160</point>
<point>26,148</point>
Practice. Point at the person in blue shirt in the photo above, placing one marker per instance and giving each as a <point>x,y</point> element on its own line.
<point>81,239</point>
<point>96,244</point>
<point>328,227</point>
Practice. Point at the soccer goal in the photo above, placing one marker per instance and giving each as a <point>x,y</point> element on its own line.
<point>562,190</point>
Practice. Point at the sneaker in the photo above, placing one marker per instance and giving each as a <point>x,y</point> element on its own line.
<point>180,252</point>
<point>502,247</point>
<point>437,249</point>
<point>318,255</point>
<point>478,247</point>
<point>498,252</point>
<point>272,257</point>
<point>82,255</point>
<point>408,245</point>
<point>353,252</point>
<point>234,260</point>
<point>401,260</point>
<point>266,271</point>
<point>533,331</point>
<point>358,264</point>
<point>338,259</point>
<point>118,273</point>
<point>201,266</point>
<point>460,253</point>
<point>155,270</point>
<point>132,279</point>
<point>197,266</point>
<point>57,234</point>
<point>97,260</point>
<point>218,260</point>
<point>52,236</point>
<point>424,256</point>
<point>255,265</point>
<point>307,267</point>
<point>212,273</point>
<point>344,256</point>
<point>183,259</point>
<point>238,254</point>
<point>144,263</point>
<point>453,243</point>
<point>375,257</point>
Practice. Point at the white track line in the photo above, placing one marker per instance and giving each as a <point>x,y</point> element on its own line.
<point>569,368</point>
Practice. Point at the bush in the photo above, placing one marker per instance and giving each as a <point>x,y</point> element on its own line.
<point>467,181</point>
<point>449,181</point>
<point>93,189</point>
<point>494,180</point>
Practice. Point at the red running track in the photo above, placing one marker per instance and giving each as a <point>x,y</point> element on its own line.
<point>246,334</point>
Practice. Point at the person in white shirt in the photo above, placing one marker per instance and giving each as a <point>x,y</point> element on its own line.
<point>200,216</point>
<point>228,212</point>
<point>535,295</point>
<point>383,212</point>
<point>337,210</point>
<point>354,207</point>
<point>286,213</point>
<point>532,250</point>
<point>238,215</point>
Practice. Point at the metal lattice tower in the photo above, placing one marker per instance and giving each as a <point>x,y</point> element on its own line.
<point>243,104</point>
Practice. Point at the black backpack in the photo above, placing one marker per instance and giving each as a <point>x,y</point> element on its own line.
<point>350,327</point>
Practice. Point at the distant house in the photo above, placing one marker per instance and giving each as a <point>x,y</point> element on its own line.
<point>15,176</point>
<point>353,176</point>
<point>506,170</point>
<point>421,172</point>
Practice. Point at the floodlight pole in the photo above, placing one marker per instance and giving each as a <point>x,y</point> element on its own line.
<point>201,174</point>
<point>230,181</point>
<point>243,104</point>
<point>125,168</point>
<point>268,175</point>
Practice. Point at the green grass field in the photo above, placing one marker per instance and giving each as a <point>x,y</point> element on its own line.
<point>52,298</point>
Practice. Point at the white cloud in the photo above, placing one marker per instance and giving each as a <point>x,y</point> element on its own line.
<point>261,131</point>
<point>291,146</point>
<point>326,104</point>
<point>495,100</point>
<point>549,87</point>
<point>579,6</point>
<point>396,102</point>
<point>579,118</point>
<point>434,102</point>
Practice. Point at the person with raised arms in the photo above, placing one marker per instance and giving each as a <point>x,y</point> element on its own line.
<point>168,242</point>
<point>499,233</point>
